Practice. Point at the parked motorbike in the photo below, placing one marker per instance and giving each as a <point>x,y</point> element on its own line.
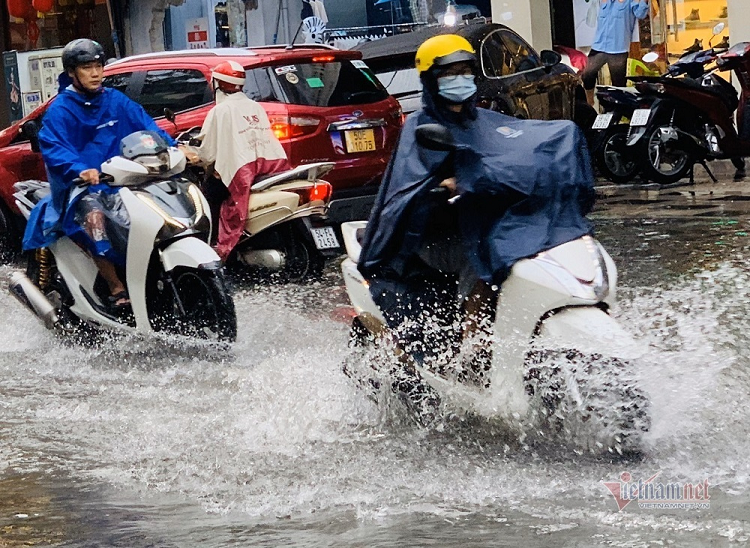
<point>610,132</point>
<point>616,161</point>
<point>286,230</point>
<point>552,336</point>
<point>691,118</point>
<point>174,278</point>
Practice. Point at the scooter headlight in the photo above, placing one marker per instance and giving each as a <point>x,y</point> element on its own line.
<point>197,199</point>
<point>172,227</point>
<point>180,205</point>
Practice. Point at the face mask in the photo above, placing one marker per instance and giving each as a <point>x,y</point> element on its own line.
<point>457,88</point>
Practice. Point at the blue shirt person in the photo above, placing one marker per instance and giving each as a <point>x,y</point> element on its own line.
<point>614,27</point>
<point>614,31</point>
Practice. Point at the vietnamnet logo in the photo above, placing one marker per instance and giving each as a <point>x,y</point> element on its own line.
<point>653,495</point>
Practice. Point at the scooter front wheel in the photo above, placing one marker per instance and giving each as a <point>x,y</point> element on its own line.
<point>202,306</point>
<point>665,161</point>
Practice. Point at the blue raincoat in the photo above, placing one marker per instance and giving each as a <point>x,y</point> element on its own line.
<point>80,132</point>
<point>525,186</point>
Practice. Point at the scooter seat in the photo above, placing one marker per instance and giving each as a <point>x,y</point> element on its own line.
<point>722,90</point>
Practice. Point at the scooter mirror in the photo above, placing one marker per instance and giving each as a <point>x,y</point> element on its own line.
<point>719,28</point>
<point>650,57</point>
<point>435,137</point>
<point>169,114</point>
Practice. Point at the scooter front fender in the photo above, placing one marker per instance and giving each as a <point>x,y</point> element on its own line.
<point>588,329</point>
<point>189,252</point>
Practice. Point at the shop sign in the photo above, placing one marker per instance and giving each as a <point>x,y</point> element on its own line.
<point>197,33</point>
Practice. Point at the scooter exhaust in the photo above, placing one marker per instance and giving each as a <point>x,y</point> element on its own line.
<point>23,289</point>
<point>264,258</point>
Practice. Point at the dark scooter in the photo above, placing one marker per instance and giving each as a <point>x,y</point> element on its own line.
<point>610,130</point>
<point>691,119</point>
<point>615,160</point>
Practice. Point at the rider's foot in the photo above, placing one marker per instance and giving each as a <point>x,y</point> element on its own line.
<point>119,303</point>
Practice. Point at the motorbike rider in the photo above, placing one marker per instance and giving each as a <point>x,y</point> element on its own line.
<point>83,128</point>
<point>418,248</point>
<point>237,138</point>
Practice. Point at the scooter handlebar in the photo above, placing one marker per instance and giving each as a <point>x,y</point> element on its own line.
<point>103,178</point>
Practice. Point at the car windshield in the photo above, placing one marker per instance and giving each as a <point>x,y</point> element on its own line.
<point>327,83</point>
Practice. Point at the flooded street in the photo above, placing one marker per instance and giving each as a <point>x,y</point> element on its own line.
<point>146,444</point>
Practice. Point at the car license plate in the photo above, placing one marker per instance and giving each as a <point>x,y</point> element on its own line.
<point>360,140</point>
<point>325,237</point>
<point>602,121</point>
<point>640,117</point>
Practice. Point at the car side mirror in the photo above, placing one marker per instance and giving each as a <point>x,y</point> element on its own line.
<point>549,59</point>
<point>30,130</point>
<point>435,137</point>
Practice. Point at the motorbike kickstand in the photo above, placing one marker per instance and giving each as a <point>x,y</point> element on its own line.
<point>710,174</point>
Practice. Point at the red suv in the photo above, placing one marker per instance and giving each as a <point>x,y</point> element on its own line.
<point>324,104</point>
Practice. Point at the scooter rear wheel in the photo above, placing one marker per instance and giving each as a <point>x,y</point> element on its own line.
<point>303,260</point>
<point>615,161</point>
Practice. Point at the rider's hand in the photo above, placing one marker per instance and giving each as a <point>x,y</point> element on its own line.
<point>190,156</point>
<point>90,176</point>
<point>450,184</point>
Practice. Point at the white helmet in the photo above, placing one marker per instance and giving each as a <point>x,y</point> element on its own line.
<point>228,76</point>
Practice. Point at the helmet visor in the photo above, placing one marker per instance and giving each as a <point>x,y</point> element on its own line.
<point>455,57</point>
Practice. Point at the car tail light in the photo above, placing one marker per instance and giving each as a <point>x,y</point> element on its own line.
<point>319,191</point>
<point>296,126</point>
<point>323,59</point>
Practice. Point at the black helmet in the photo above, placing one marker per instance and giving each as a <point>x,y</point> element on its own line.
<point>81,51</point>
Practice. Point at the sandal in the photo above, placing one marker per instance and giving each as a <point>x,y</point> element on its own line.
<point>119,301</point>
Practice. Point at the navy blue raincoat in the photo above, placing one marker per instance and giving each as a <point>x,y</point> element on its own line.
<point>80,132</point>
<point>525,187</point>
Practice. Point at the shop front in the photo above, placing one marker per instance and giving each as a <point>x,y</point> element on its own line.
<point>677,26</point>
<point>33,33</point>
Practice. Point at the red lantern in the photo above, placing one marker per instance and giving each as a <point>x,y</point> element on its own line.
<point>20,9</point>
<point>43,5</point>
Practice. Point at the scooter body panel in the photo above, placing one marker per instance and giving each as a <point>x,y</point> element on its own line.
<point>145,224</point>
<point>79,272</point>
<point>358,290</point>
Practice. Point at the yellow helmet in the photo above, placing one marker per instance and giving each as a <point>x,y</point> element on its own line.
<point>443,49</point>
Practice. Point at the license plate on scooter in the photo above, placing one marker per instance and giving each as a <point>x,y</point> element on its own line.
<point>325,237</point>
<point>640,117</point>
<point>602,121</point>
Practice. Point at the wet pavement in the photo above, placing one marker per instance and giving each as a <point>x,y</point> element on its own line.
<point>147,444</point>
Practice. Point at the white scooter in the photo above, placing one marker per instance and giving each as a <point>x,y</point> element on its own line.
<point>174,278</point>
<point>557,356</point>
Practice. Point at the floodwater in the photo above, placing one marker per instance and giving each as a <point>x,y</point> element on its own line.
<point>147,444</point>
